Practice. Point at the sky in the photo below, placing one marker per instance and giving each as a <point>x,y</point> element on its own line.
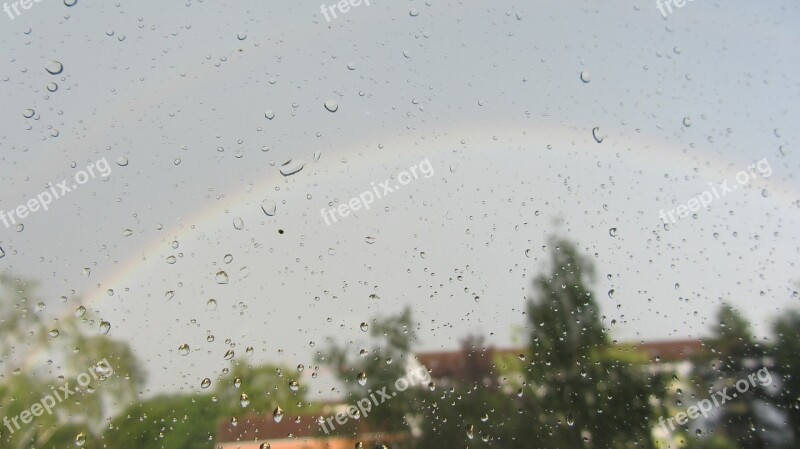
<point>579,119</point>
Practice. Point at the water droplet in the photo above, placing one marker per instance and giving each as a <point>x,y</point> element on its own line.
<point>294,386</point>
<point>105,326</point>
<point>205,383</point>
<point>80,311</point>
<point>269,207</point>
<point>171,260</point>
<point>269,114</point>
<point>183,349</point>
<point>612,232</point>
<point>221,277</point>
<point>2,253</point>
<point>228,258</point>
<point>53,333</point>
<point>237,383</point>
<point>292,166</point>
<point>470,431</point>
<point>687,122</point>
<point>54,67</point>
<point>211,304</point>
<point>264,446</point>
<point>431,386</point>
<point>28,113</point>
<point>228,354</point>
<point>238,223</point>
<point>331,105</point>
<point>127,233</point>
<point>414,12</point>
<point>52,87</point>
<point>586,76</point>
<point>70,3</point>
<point>277,414</point>
<point>374,297</point>
<point>570,420</point>
<point>598,137</point>
<point>362,378</point>
<point>364,327</point>
<point>122,161</point>
<point>244,400</point>
<point>80,439</point>
<point>241,36</point>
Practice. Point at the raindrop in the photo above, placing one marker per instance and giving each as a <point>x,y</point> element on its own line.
<point>127,233</point>
<point>171,260</point>
<point>362,378</point>
<point>237,383</point>
<point>54,67</point>
<point>53,333</point>
<point>570,420</point>
<point>611,293</point>
<point>264,446</point>
<point>28,113</point>
<point>364,327</point>
<point>269,207</point>
<point>238,223</point>
<point>241,36</point>
<point>52,87</point>
<point>292,166</point>
<point>244,400</point>
<point>414,12</point>
<point>331,105</point>
<point>205,383</point>
<point>294,386</point>
<point>221,277</point>
<point>277,415</point>
<point>80,311</point>
<point>269,114</point>
<point>228,258</point>
<point>122,161</point>
<point>211,304</point>
<point>105,326</point>
<point>687,122</point>
<point>183,349</point>
<point>2,253</point>
<point>598,137</point>
<point>470,431</point>
<point>612,232</point>
<point>228,354</point>
<point>70,3</point>
<point>586,76</point>
<point>80,439</point>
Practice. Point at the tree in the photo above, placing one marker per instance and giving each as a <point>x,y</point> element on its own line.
<point>580,393</point>
<point>786,352</point>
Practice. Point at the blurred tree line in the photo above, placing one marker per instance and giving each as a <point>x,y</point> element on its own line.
<point>571,386</point>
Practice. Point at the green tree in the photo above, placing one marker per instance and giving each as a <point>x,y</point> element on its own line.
<point>786,352</point>
<point>381,367</point>
<point>581,392</point>
<point>40,350</point>
<point>182,421</point>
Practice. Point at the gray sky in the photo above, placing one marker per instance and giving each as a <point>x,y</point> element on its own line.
<point>490,93</point>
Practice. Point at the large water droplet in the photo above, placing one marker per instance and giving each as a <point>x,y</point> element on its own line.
<point>331,105</point>
<point>277,414</point>
<point>362,378</point>
<point>80,439</point>
<point>54,67</point>
<point>105,326</point>
<point>28,113</point>
<point>205,383</point>
<point>244,400</point>
<point>269,207</point>
<point>586,76</point>
<point>183,349</point>
<point>470,431</point>
<point>238,223</point>
<point>598,136</point>
<point>294,386</point>
<point>269,114</point>
<point>70,3</point>
<point>292,166</point>
<point>221,278</point>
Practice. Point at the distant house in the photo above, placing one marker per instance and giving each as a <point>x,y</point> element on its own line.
<point>302,432</point>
